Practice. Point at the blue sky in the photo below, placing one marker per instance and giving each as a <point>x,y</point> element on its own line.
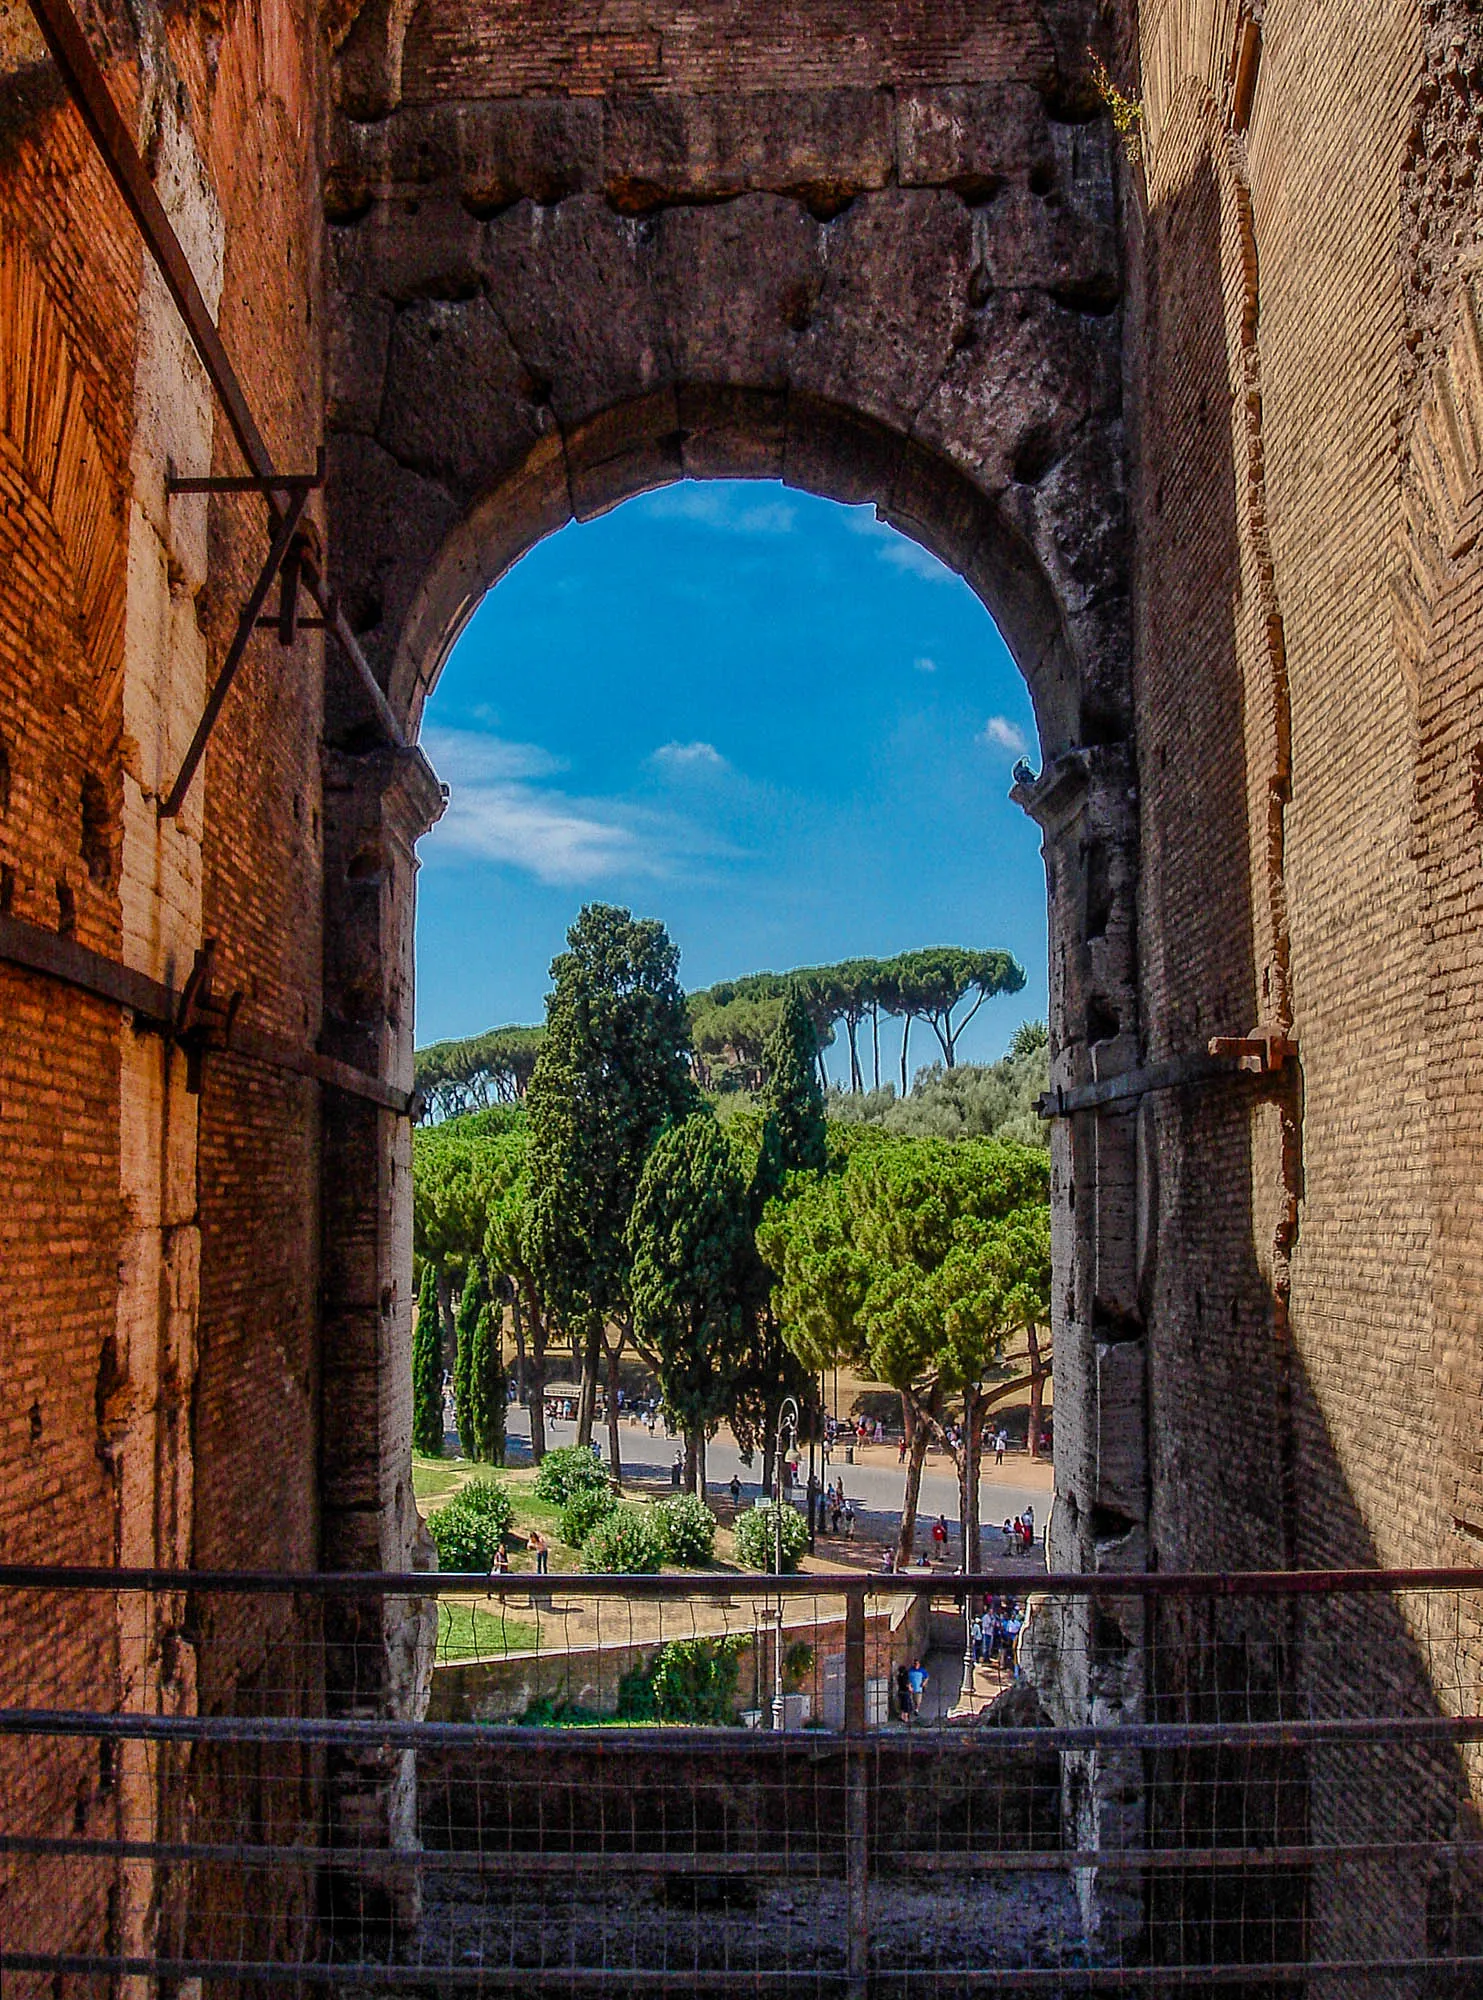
<point>767,719</point>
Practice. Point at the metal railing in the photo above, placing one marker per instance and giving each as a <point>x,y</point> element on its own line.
<point>1005,1782</point>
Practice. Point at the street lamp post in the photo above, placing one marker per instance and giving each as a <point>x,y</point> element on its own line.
<point>787,1430</point>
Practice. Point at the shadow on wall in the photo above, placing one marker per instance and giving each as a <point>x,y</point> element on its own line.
<point>1244,1469</point>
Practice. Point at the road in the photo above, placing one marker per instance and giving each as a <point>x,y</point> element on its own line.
<point>874,1483</point>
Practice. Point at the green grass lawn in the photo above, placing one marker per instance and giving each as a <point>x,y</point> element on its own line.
<point>433,1479</point>
<point>467,1633</point>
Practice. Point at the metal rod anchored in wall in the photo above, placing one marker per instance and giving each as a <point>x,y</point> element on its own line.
<point>1226,1060</point>
<point>88,89</point>
<point>159,1009</point>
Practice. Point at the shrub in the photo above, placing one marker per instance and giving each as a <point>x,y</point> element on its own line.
<point>490,1500</point>
<point>798,1664</point>
<point>756,1532</point>
<point>582,1513</point>
<point>568,1470</point>
<point>687,1528</point>
<point>688,1680</point>
<point>626,1539</point>
<point>469,1530</point>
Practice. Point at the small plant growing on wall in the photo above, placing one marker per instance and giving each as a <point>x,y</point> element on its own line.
<point>1126,112</point>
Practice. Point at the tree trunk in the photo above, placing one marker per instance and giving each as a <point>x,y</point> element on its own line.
<point>587,1395</point>
<point>700,1462</point>
<point>875,1043</point>
<point>905,1038</point>
<point>535,1387</point>
<point>973,1430</point>
<point>767,1471</point>
<point>692,1456</point>
<point>908,1418</point>
<point>519,1319</point>
<point>447,1328</point>
<point>1037,1389</point>
<point>857,1082</point>
<point>915,1457</point>
<point>615,1453</point>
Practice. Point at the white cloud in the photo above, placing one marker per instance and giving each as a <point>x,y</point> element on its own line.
<point>894,548</point>
<point>499,811</point>
<point>468,756</point>
<point>999,733</point>
<point>925,665</point>
<point>721,507</point>
<point>546,835</point>
<point>689,757</point>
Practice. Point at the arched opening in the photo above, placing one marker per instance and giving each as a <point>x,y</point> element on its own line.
<point>515,810</point>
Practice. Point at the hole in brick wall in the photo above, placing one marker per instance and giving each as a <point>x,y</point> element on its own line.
<point>979,190</point>
<point>66,911</point>
<point>105,1768</point>
<point>97,831</point>
<point>1042,180</point>
<point>7,888</point>
<point>1099,889</point>
<point>4,781</point>
<point>35,1423</point>
<point>1112,1324</point>
<point>1102,1021</point>
<point>1476,762</point>
<point>1109,1524</point>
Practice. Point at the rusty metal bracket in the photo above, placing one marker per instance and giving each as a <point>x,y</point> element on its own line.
<point>1266,1053</point>
<point>88,89</point>
<point>1260,1054</point>
<point>202,1021</point>
<point>252,482</point>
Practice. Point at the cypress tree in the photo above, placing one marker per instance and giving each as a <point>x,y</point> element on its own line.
<point>465,1393</point>
<point>427,1370</point>
<point>792,1100</point>
<point>489,1386</point>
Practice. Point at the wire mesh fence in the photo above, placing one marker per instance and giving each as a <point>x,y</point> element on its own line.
<point>725,1783</point>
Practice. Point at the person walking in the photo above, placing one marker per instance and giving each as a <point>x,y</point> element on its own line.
<point>916,1679</point>
<point>903,1692</point>
<point>735,1490</point>
<point>1001,1440</point>
<point>677,1471</point>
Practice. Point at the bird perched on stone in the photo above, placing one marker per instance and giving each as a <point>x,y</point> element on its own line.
<point>1022,774</point>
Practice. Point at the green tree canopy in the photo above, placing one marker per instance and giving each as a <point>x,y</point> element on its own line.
<point>971,1101</point>
<point>612,1073</point>
<point>690,1238</point>
<point>478,1071</point>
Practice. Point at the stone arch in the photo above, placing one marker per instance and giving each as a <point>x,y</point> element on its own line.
<point>718,433</point>
<point>938,332</point>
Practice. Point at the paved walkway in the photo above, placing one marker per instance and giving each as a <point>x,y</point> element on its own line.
<point>874,1482</point>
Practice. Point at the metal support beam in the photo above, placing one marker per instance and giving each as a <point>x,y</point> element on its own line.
<point>1225,1061</point>
<point>89,90</point>
<point>278,555</point>
<point>190,1017</point>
